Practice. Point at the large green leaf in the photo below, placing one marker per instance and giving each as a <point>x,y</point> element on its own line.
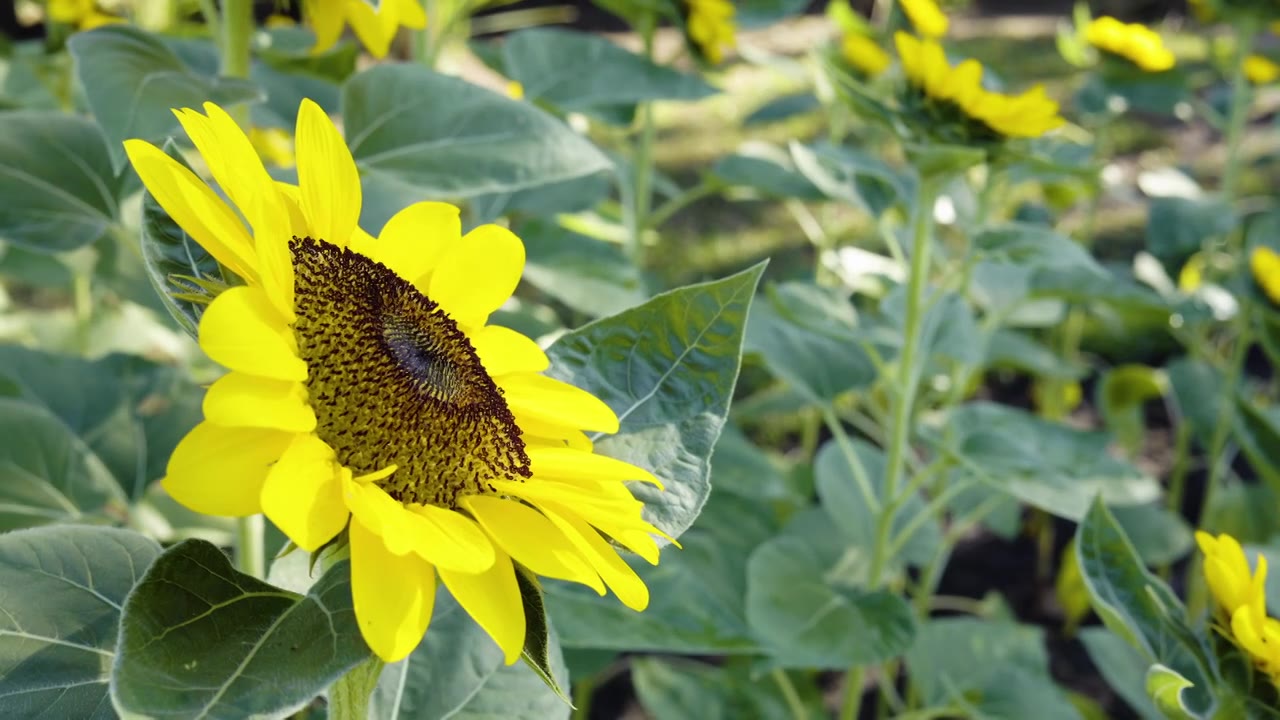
<point>1053,467</point>
<point>852,176</point>
<point>548,62</point>
<point>1138,606</point>
<point>61,589</point>
<point>668,369</point>
<point>589,275</point>
<point>685,689</point>
<point>132,81</point>
<point>1122,667</point>
<point>808,612</point>
<point>1035,246</point>
<point>129,412</point>
<point>808,337</point>
<point>412,130</point>
<point>56,179</point>
<point>695,594</point>
<point>1178,227</point>
<point>49,475</point>
<point>199,639</point>
<point>768,169</point>
<point>457,672</point>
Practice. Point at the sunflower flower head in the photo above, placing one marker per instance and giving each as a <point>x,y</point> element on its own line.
<point>1264,263</point>
<point>926,17</point>
<point>375,27</point>
<point>80,14</point>
<point>711,28</point>
<point>1132,42</point>
<point>862,53</point>
<point>368,393</point>
<point>955,106</point>
<point>1261,70</point>
<point>1241,597</point>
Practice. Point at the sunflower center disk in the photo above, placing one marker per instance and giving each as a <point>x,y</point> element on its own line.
<point>393,380</point>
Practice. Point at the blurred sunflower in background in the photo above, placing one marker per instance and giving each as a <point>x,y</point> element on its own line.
<point>862,53</point>
<point>375,27</point>
<point>1264,263</point>
<point>1261,70</point>
<point>711,29</point>
<point>1132,42</point>
<point>926,17</point>
<point>367,392</point>
<point>80,14</point>
<point>951,105</point>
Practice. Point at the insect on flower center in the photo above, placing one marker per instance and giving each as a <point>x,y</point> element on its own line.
<point>394,381</point>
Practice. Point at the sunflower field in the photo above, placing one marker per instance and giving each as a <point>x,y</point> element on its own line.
<point>642,359</point>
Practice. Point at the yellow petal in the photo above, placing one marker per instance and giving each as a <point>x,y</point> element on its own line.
<point>375,28</point>
<point>328,180</point>
<point>553,401</point>
<point>570,464</point>
<point>478,274</point>
<point>492,599</point>
<point>531,539</point>
<point>219,470</point>
<point>616,573</point>
<point>393,595</point>
<point>241,331</point>
<point>242,400</point>
<point>380,514</point>
<point>303,493</point>
<point>448,540</point>
<point>413,239</point>
<point>326,18</point>
<point>503,350</point>
<point>411,14</point>
<point>195,207</point>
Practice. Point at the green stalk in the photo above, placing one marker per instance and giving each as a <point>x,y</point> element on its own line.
<point>237,30</point>
<point>642,160</point>
<point>1241,94</point>
<point>789,693</point>
<point>852,705</point>
<point>1222,428</point>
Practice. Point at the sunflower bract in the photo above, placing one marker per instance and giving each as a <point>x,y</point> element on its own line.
<point>366,391</point>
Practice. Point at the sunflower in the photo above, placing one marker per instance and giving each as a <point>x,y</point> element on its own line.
<point>926,17</point>
<point>1264,263</point>
<point>376,28</point>
<point>368,392</point>
<point>864,54</point>
<point>81,14</point>
<point>1133,42</point>
<point>960,108</point>
<point>1261,70</point>
<point>711,27</point>
<point>1240,594</point>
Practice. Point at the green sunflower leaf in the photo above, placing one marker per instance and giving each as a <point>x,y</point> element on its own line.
<point>668,369</point>
<point>199,639</point>
<point>57,182</point>
<point>1140,607</point>
<point>61,589</point>
<point>131,81</point>
<point>418,133</point>
<point>47,474</point>
<point>681,688</point>
<point>457,672</point>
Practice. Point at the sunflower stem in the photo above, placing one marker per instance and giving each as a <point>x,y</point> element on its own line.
<point>853,682</point>
<point>642,160</point>
<point>789,693</point>
<point>1241,94</point>
<point>234,42</point>
<point>249,554</point>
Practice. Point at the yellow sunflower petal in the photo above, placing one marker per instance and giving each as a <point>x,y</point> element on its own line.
<point>393,595</point>
<point>380,514</point>
<point>616,573</point>
<point>303,493</point>
<point>449,540</point>
<point>550,400</point>
<point>241,331</point>
<point>492,599</point>
<point>195,207</point>
<point>478,274</point>
<point>375,28</point>
<point>503,350</point>
<point>410,14</point>
<point>219,470</point>
<point>328,180</point>
<point>413,239</point>
<point>532,540</point>
<point>326,19</point>
<point>574,465</point>
<point>242,400</point>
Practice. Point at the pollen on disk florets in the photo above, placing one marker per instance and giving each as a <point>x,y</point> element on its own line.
<point>394,381</point>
